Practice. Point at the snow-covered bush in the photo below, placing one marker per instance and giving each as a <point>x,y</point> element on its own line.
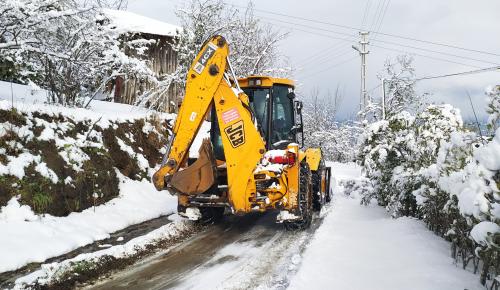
<point>432,168</point>
<point>384,148</point>
<point>493,109</point>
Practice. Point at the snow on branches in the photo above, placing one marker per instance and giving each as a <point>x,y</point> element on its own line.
<point>398,79</point>
<point>430,167</point>
<point>493,109</point>
<point>60,45</point>
<point>321,130</point>
<point>253,46</point>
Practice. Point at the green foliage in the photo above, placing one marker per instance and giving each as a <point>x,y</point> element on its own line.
<point>41,202</point>
<point>82,267</point>
<point>35,191</point>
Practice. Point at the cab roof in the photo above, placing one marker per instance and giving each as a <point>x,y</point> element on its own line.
<point>266,81</point>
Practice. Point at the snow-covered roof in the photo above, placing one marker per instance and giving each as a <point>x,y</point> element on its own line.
<point>127,21</point>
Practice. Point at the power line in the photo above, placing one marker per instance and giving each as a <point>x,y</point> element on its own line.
<point>310,27</point>
<point>382,19</point>
<point>381,41</point>
<point>334,57</point>
<point>426,56</point>
<point>328,57</point>
<point>488,69</point>
<point>393,49</point>
<point>435,51</point>
<point>374,32</point>
<point>482,70</point>
<point>330,67</point>
<point>320,54</point>
<point>367,9</point>
<point>377,15</point>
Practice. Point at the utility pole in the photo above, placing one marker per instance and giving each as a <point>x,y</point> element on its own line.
<point>363,52</point>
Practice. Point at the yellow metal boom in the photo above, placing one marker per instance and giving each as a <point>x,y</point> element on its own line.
<point>209,83</point>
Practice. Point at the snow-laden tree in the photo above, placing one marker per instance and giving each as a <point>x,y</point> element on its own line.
<point>253,45</point>
<point>493,109</point>
<point>321,130</point>
<point>112,4</point>
<point>398,154</point>
<point>399,79</point>
<point>68,49</point>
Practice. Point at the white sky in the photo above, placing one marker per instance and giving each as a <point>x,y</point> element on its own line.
<point>464,23</point>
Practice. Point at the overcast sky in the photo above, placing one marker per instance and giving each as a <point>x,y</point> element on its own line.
<point>324,62</point>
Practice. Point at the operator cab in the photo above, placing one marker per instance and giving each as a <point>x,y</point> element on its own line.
<point>275,109</point>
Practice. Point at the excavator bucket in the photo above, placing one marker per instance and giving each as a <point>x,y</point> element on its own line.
<point>199,176</point>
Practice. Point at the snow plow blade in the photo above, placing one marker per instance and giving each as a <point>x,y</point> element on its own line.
<point>199,176</point>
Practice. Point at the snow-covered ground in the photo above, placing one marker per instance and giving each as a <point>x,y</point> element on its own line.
<point>52,271</point>
<point>362,247</point>
<point>26,237</point>
<point>28,99</point>
<point>355,247</point>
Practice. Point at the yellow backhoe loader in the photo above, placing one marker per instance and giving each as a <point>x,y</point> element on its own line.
<point>252,160</point>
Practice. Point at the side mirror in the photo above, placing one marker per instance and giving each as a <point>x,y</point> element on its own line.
<point>291,95</point>
<point>298,106</point>
<point>299,126</point>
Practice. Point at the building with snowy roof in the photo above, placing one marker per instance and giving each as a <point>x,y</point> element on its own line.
<point>160,55</point>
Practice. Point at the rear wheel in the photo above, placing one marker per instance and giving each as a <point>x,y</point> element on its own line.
<point>211,215</point>
<point>304,199</point>
<point>319,198</point>
<point>329,192</point>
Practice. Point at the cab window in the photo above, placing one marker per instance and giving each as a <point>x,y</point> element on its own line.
<point>283,121</point>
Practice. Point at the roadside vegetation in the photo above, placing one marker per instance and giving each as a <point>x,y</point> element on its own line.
<point>422,162</point>
<point>58,164</point>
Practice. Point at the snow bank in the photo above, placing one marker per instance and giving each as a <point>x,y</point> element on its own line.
<point>362,247</point>
<point>49,272</point>
<point>27,238</point>
<point>28,99</point>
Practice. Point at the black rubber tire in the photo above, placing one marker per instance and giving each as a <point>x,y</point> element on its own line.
<point>318,200</point>
<point>329,194</point>
<point>211,215</point>
<point>305,201</point>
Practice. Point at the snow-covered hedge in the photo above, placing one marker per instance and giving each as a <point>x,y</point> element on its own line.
<point>59,162</point>
<point>428,166</point>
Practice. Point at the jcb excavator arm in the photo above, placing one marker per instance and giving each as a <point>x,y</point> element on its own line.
<point>208,84</point>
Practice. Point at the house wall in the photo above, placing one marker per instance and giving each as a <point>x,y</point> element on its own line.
<point>162,59</point>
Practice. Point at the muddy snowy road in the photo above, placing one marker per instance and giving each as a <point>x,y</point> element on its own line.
<point>240,253</point>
